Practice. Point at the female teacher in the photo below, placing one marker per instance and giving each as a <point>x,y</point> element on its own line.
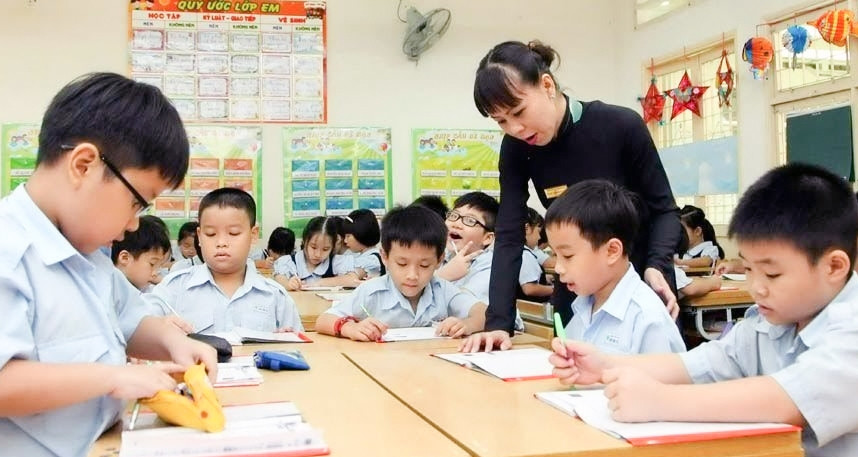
<point>556,141</point>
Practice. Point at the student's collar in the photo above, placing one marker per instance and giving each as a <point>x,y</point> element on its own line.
<point>201,274</point>
<point>49,243</point>
<point>816,329</point>
<point>618,301</point>
<point>699,247</point>
<point>402,300</point>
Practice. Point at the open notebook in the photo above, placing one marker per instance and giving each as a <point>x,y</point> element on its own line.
<point>592,407</point>
<point>239,371</point>
<point>265,429</point>
<point>334,296</point>
<point>410,334</point>
<point>512,365</point>
<point>239,335</point>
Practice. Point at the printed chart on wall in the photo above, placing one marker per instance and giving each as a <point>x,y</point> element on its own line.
<point>221,156</point>
<point>333,171</point>
<point>452,162</point>
<point>232,61</point>
<point>18,153</point>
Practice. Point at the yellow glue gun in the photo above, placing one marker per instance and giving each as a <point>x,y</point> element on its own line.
<point>203,412</point>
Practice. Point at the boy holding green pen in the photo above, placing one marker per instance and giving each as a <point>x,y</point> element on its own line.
<point>591,228</point>
<point>409,295</point>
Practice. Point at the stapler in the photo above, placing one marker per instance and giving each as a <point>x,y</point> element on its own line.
<point>199,409</point>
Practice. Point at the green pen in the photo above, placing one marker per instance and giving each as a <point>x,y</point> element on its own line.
<point>558,328</point>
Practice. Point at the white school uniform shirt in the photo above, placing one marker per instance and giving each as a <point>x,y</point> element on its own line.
<point>184,264</point>
<point>440,299</point>
<point>59,306</point>
<point>476,280</point>
<point>369,260</point>
<point>285,266</point>
<point>541,256</point>
<point>633,320</point>
<point>682,280</point>
<point>817,368</point>
<point>704,249</point>
<point>259,304</point>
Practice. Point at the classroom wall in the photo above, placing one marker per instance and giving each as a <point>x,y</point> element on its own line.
<point>370,81</point>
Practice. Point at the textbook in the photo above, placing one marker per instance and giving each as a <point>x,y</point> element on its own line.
<point>735,276</point>
<point>239,335</point>
<point>240,371</point>
<point>334,296</point>
<point>266,429</point>
<point>592,407</point>
<point>410,334</point>
<point>512,365</point>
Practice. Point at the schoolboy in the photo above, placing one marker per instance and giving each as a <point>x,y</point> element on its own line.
<point>139,254</point>
<point>227,291</point>
<point>793,358</point>
<point>409,295</point>
<point>107,146</point>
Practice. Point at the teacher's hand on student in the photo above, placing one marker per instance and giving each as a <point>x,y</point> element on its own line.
<point>187,352</point>
<point>452,327</point>
<point>656,281</point>
<point>486,340</point>
<point>369,329</point>
<point>130,382</point>
<point>633,396</point>
<point>458,266</point>
<point>576,362</point>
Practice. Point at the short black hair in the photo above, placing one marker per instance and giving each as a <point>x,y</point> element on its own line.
<point>150,234</point>
<point>230,197</point>
<point>482,202</point>
<point>600,209</point>
<point>188,229</point>
<point>507,65</point>
<point>807,206</point>
<point>132,124</point>
<point>533,218</point>
<point>433,202</point>
<point>281,241</point>
<point>413,224</point>
<point>363,225</point>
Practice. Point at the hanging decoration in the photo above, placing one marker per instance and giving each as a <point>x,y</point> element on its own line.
<point>724,80</point>
<point>686,96</point>
<point>758,51</point>
<point>795,40</point>
<point>835,26</point>
<point>653,101</point>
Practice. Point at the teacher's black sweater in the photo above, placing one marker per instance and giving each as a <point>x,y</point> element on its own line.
<point>608,142</point>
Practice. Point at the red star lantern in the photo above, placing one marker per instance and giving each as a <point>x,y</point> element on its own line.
<point>686,96</point>
<point>653,104</point>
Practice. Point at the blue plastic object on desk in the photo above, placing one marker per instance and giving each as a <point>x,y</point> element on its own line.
<point>280,360</point>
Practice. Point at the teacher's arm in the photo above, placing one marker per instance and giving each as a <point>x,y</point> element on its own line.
<point>509,237</point>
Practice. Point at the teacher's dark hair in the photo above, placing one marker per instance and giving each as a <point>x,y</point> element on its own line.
<point>505,68</point>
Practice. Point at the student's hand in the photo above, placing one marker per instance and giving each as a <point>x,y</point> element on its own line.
<point>182,324</point>
<point>576,362</point>
<point>656,281</point>
<point>131,382</point>
<point>187,352</point>
<point>458,266</point>
<point>350,280</point>
<point>452,327</point>
<point>283,330</point>
<point>488,340</point>
<point>729,266</point>
<point>633,396</point>
<point>294,283</point>
<point>369,329</point>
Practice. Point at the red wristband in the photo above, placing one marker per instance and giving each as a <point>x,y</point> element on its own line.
<point>338,325</point>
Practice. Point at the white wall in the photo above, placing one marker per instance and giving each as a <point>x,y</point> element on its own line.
<point>370,81</point>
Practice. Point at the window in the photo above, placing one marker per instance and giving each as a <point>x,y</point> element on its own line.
<point>716,122</point>
<point>821,61</point>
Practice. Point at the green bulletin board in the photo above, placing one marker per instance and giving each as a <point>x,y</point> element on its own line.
<point>18,152</point>
<point>452,162</point>
<point>333,171</point>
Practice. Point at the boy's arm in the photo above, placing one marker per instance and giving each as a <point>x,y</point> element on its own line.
<point>701,286</point>
<point>537,290</point>
<point>476,320</point>
<point>325,323</point>
<point>346,280</point>
<point>156,338</point>
<point>577,362</point>
<point>698,262</point>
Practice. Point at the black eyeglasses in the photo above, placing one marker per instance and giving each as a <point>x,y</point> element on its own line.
<point>141,202</point>
<point>469,221</point>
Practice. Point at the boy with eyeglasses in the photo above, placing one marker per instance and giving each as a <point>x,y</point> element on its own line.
<point>107,146</point>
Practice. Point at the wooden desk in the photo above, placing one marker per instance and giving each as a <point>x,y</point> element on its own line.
<point>309,306</point>
<point>492,418</point>
<point>696,271</point>
<point>357,416</point>
<point>718,300</point>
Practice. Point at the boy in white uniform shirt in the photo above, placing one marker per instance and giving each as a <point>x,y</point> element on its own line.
<point>794,358</point>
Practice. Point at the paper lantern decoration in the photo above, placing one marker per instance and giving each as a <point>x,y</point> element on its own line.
<point>686,96</point>
<point>795,40</point>
<point>758,51</point>
<point>724,80</point>
<point>653,104</point>
<point>836,26</point>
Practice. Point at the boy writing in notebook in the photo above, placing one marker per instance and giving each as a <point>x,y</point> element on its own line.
<point>409,295</point>
<point>794,358</point>
<point>107,146</point>
<point>227,291</point>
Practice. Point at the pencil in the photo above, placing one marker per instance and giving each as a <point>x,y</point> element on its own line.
<point>365,310</point>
